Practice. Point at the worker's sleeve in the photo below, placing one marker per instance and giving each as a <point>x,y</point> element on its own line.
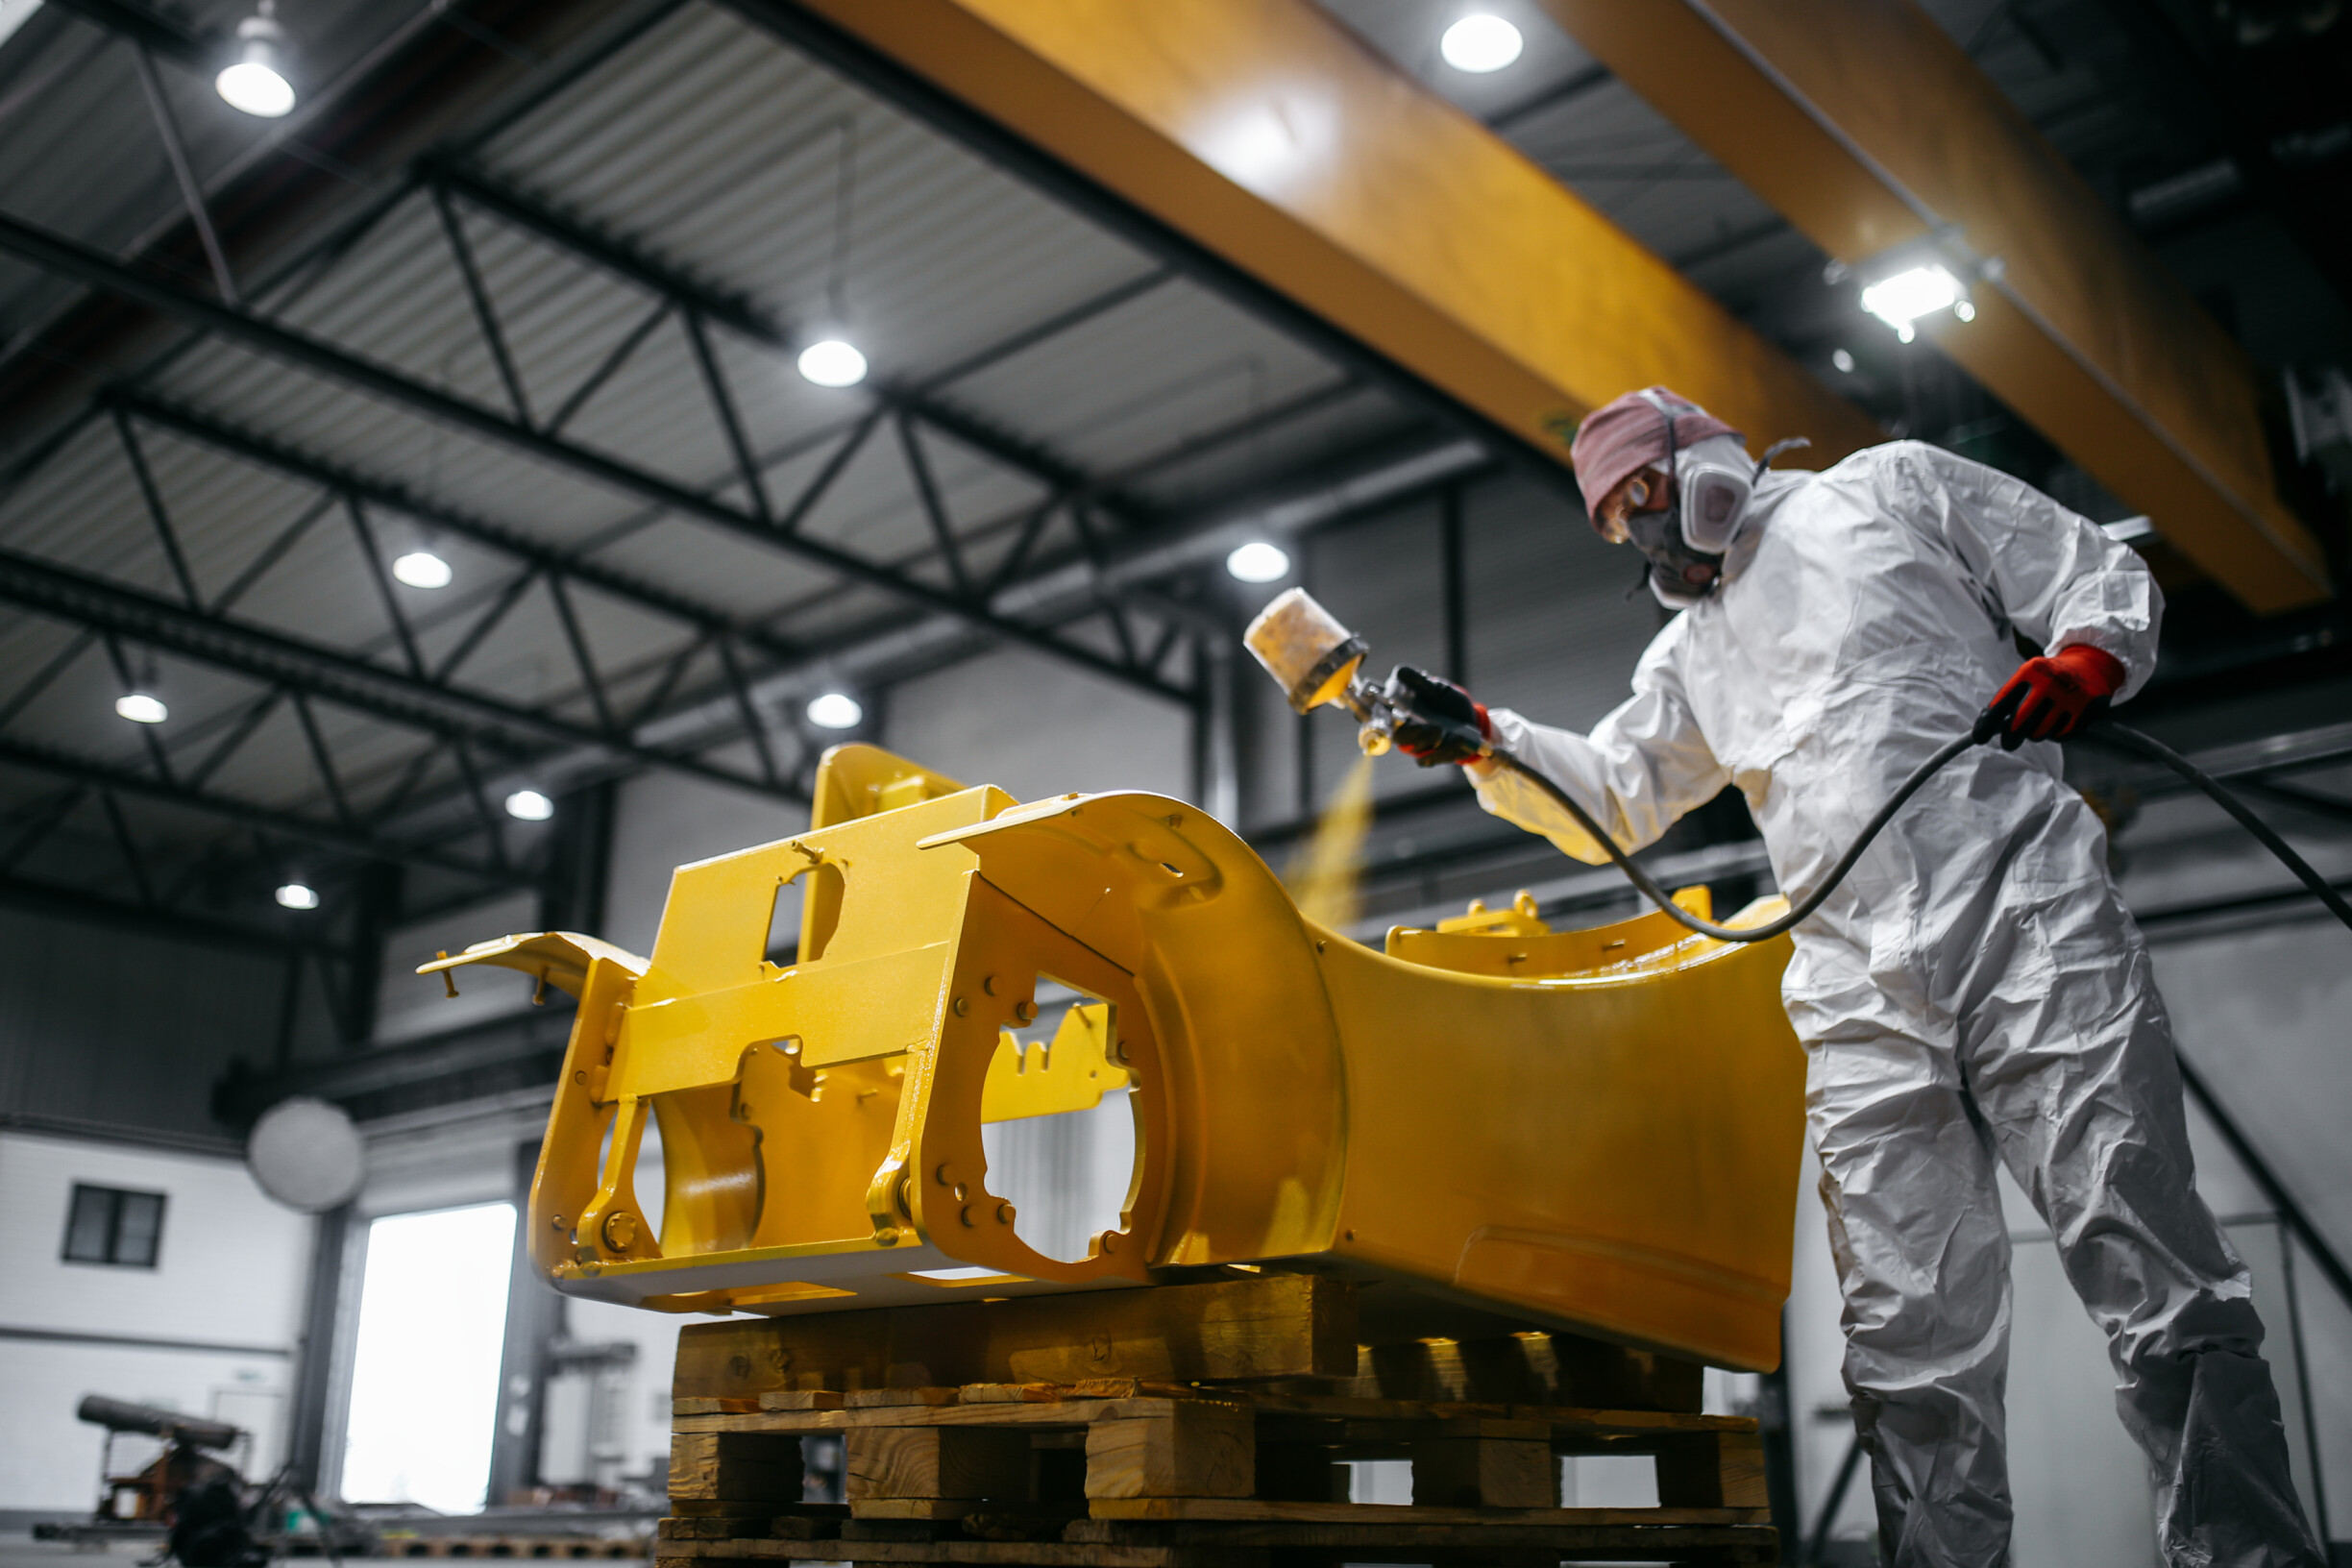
<point>2052,573</point>
<point>1639,770</point>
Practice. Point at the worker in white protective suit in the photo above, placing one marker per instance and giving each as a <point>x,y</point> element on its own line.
<point>1975,992</point>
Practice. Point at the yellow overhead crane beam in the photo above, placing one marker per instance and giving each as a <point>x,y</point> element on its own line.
<point>1592,1131</point>
<point>1266,131</point>
<point>1872,132</point>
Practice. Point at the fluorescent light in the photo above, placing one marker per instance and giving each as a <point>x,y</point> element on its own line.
<point>529,806</point>
<point>835,710</point>
<point>1259,561</point>
<point>954,1274</point>
<point>832,362</point>
<point>422,569</point>
<point>1481,42</point>
<point>142,707</point>
<point>298,896</point>
<point>2124,530</point>
<point>1902,299</point>
<point>1843,360</point>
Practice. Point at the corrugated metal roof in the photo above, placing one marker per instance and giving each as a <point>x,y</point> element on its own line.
<point>726,159</point>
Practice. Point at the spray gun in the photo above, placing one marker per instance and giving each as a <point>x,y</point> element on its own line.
<point>1317,661</point>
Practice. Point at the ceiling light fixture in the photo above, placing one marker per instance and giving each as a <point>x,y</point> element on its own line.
<point>1259,561</point>
<point>832,362</point>
<point>298,896</point>
<point>142,707</point>
<point>529,806</point>
<point>423,569</point>
<point>1843,361</point>
<point>835,710</point>
<point>1904,297</point>
<point>258,79</point>
<point>1481,42</point>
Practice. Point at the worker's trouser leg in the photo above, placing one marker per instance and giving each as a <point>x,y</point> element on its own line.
<point>2069,1058</point>
<point>2062,1064</point>
<point>1922,1260</point>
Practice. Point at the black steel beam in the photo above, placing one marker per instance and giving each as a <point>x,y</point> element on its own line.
<point>243,1093</point>
<point>328,672</point>
<point>66,257</point>
<point>637,265</point>
<point>209,929</point>
<point>56,764</point>
<point>152,29</point>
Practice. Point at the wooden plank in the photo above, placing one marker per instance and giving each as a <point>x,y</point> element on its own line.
<point>735,1465</point>
<point>711,1526</point>
<point>1274,1326</point>
<point>1607,1431</point>
<point>1251,1509</point>
<point>1039,1554</point>
<point>937,1463</point>
<point>1725,1470</point>
<point>882,1399</point>
<point>1032,1516</point>
<point>1012,1393</point>
<point>798,1399</point>
<point>1195,1450</point>
<point>708,1405</point>
<point>799,1521</point>
<point>1512,1467</point>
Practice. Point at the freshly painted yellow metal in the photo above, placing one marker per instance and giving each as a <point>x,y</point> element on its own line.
<point>1070,1072</point>
<point>1595,1131</point>
<point>1267,132</point>
<point>1870,128</point>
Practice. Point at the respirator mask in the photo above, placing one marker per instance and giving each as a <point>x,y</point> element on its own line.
<point>1707,502</point>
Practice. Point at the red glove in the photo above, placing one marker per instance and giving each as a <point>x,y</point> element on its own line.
<point>2047,698</point>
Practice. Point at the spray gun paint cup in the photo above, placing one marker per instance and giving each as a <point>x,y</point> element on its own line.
<point>1314,660</point>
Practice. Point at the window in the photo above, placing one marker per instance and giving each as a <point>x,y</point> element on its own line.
<point>107,1225</point>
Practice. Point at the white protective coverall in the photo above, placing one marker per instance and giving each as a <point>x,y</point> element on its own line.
<point>1975,990</point>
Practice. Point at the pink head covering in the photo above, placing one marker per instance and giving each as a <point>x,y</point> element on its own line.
<point>1629,436</point>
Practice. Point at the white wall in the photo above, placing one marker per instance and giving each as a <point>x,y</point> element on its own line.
<point>1034,727</point>
<point>409,1005</point>
<point>232,1271</point>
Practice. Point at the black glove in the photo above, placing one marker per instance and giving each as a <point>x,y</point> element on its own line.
<point>1437,722</point>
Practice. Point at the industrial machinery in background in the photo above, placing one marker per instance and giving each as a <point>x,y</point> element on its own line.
<point>146,1496</point>
<point>195,1500</point>
<point>1498,1124</point>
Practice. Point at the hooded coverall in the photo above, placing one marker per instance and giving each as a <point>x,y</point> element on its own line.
<point>1975,992</point>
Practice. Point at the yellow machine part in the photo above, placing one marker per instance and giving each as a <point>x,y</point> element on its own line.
<point>1593,1131</point>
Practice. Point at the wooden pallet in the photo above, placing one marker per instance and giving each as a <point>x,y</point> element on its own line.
<point>1126,1471</point>
<point>543,1547</point>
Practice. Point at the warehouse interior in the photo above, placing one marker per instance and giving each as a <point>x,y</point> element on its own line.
<point>439,509</point>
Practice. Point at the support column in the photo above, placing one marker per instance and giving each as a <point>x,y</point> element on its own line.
<point>534,1321</point>
<point>314,1368</point>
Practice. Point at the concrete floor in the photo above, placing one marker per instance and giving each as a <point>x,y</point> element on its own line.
<point>19,1549</point>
